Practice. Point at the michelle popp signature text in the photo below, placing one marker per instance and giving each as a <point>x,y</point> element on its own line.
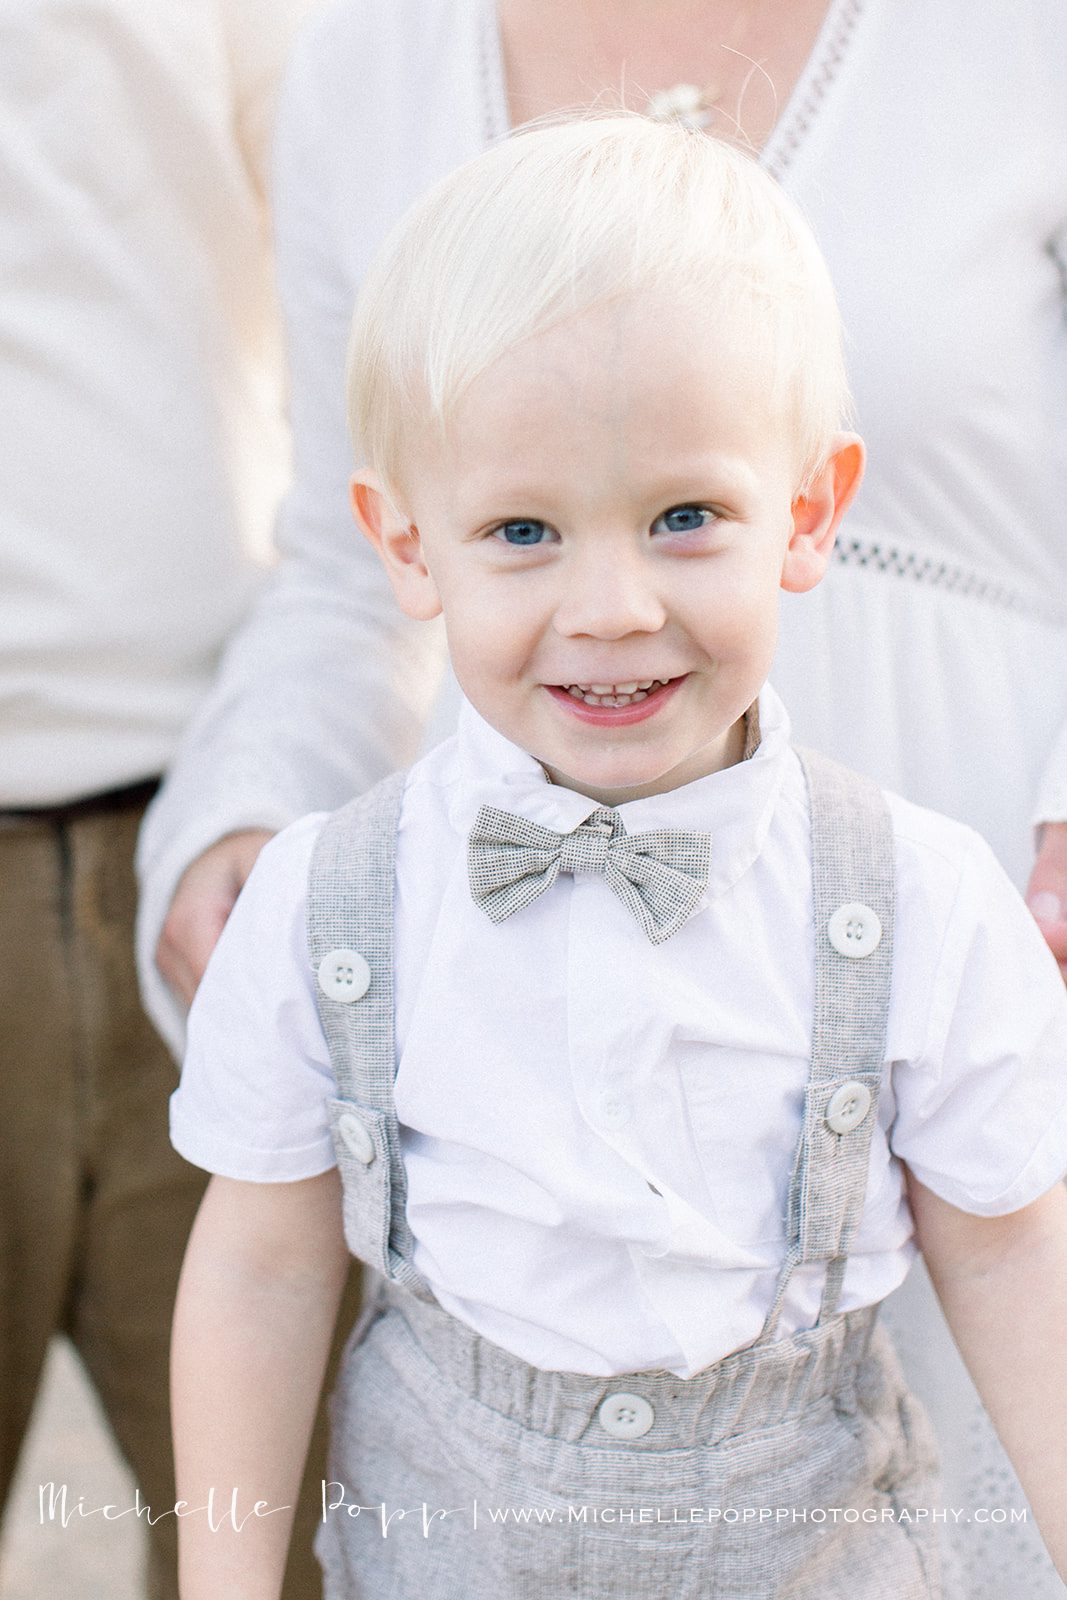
<point>229,1509</point>
<point>222,1509</point>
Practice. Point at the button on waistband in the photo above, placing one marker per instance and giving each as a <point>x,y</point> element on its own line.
<point>626,1416</point>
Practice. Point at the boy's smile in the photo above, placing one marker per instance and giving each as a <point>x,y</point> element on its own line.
<point>607,705</point>
<point>606,527</point>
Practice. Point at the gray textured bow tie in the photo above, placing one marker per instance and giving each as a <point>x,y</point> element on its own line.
<point>659,876</point>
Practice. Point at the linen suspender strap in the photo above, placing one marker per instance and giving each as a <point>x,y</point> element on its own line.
<point>853,891</point>
<point>350,941</point>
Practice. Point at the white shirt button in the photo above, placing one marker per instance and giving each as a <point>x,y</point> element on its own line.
<point>848,1107</point>
<point>614,1110</point>
<point>344,975</point>
<point>358,1140</point>
<point>626,1416</point>
<point>854,930</point>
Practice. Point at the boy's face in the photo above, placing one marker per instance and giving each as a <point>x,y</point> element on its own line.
<point>606,529</point>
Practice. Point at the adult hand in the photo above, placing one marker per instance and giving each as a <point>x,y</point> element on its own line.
<point>1046,894</point>
<point>202,902</point>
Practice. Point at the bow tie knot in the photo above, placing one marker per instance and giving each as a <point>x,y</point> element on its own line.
<point>586,849</point>
<point>659,876</point>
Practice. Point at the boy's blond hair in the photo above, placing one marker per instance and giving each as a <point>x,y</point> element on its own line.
<point>564,217</point>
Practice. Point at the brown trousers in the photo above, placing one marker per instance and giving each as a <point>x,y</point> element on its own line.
<point>95,1205</point>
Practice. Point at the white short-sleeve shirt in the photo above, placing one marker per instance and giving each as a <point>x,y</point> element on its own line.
<point>598,1133</point>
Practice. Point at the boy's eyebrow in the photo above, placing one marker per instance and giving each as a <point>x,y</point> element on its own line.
<point>705,476</point>
<point>702,477</point>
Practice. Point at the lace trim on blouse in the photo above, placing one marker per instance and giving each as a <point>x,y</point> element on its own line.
<point>786,139</point>
<point>943,575</point>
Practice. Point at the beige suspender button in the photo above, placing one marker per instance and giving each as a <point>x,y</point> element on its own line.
<point>854,930</point>
<point>344,975</point>
<point>359,1141</point>
<point>848,1106</point>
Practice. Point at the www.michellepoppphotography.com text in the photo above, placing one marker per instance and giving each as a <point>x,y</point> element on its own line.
<point>233,1510</point>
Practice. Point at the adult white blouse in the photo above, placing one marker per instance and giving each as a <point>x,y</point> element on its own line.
<point>556,1071</point>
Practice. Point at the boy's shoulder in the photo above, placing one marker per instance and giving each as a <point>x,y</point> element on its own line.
<point>964,942</point>
<point>956,905</point>
<point>435,771</point>
<point>927,842</point>
<point>949,885</point>
<point>409,796</point>
<point>938,855</point>
<point>931,844</point>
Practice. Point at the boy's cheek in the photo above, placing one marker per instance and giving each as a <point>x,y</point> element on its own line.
<point>483,669</point>
<point>736,620</point>
<point>486,637</point>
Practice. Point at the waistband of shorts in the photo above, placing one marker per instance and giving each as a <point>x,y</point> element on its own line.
<point>759,1387</point>
<point>133,797</point>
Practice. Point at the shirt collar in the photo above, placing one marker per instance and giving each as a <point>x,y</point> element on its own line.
<point>735,805</point>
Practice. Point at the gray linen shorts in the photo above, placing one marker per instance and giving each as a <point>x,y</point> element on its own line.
<point>793,1470</point>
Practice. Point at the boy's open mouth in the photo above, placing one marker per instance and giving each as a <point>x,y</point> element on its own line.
<point>614,694</point>
<point>615,703</point>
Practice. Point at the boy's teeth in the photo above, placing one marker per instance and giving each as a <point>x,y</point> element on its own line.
<point>613,694</point>
<point>614,688</point>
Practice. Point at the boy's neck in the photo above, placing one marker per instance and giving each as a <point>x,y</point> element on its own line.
<point>740,743</point>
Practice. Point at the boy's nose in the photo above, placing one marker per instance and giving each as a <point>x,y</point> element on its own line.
<point>608,600</point>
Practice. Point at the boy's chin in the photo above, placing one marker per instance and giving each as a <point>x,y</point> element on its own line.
<point>615,784</point>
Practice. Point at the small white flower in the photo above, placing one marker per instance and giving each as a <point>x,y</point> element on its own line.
<point>683,103</point>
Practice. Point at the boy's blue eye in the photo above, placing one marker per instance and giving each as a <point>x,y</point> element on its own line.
<point>682,519</point>
<point>522,531</point>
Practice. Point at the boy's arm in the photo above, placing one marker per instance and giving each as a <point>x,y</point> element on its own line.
<point>1002,1283</point>
<point>253,1321</point>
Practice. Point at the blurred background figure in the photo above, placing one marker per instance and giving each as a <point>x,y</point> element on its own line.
<point>143,451</point>
<point>925,145</point>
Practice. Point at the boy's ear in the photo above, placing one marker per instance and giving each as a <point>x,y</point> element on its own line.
<point>397,543</point>
<point>817,512</point>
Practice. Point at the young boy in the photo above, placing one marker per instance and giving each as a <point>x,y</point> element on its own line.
<point>641,1048</point>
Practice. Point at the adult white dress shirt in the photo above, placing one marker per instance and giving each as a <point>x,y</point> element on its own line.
<point>140,395</point>
<point>598,1133</point>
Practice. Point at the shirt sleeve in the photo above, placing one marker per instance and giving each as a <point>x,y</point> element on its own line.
<point>258,39</point>
<point>326,687</point>
<point>1050,802</point>
<point>251,1103</point>
<point>981,1114</point>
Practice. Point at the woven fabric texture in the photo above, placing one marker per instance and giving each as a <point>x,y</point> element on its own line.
<point>659,876</point>
<point>852,860</point>
<point>738,1491</point>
